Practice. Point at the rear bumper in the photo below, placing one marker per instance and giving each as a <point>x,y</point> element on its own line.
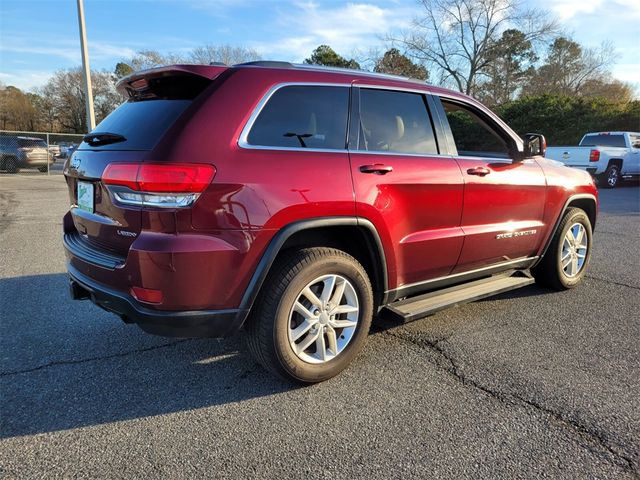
<point>193,323</point>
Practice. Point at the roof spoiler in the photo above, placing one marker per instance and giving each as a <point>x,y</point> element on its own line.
<point>173,81</point>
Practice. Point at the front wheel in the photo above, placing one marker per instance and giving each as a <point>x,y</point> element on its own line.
<point>565,263</point>
<point>312,316</point>
<point>42,169</point>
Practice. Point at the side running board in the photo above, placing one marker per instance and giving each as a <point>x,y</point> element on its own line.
<point>420,306</point>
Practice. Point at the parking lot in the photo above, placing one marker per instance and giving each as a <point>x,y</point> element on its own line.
<point>529,383</point>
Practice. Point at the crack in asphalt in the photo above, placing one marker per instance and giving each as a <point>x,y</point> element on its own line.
<point>93,359</point>
<point>620,284</point>
<point>621,459</point>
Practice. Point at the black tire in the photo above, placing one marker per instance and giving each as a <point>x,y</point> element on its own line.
<point>611,177</point>
<point>549,272</point>
<point>11,165</point>
<point>268,326</point>
<point>42,169</point>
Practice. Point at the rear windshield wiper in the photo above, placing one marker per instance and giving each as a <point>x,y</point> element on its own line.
<point>103,138</point>
<point>300,137</point>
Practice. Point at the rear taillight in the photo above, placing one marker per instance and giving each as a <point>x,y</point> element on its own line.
<point>594,155</point>
<point>158,185</point>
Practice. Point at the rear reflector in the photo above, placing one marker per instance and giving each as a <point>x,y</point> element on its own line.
<point>146,295</point>
<point>594,155</point>
<point>160,177</point>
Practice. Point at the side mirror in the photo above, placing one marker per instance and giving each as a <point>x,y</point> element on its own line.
<point>534,144</point>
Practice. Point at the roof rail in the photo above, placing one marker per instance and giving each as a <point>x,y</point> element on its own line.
<point>265,63</point>
<point>217,64</point>
<point>324,68</point>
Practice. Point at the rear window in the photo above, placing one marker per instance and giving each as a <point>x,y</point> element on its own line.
<point>303,117</point>
<point>31,143</point>
<point>603,141</point>
<point>142,123</point>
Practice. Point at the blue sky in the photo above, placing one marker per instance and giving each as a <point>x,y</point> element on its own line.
<point>39,37</point>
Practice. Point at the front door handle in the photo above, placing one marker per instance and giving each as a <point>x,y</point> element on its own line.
<point>480,171</point>
<point>378,169</point>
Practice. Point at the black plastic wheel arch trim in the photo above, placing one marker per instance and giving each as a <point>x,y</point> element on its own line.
<point>572,198</point>
<point>270,254</point>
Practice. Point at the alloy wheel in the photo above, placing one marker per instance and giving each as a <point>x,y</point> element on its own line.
<point>574,250</point>
<point>323,319</point>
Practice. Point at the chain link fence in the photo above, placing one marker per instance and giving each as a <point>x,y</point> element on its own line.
<point>42,151</point>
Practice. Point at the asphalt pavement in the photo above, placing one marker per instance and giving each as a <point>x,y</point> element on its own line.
<point>532,383</point>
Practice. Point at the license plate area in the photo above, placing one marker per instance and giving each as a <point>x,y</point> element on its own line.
<point>86,196</point>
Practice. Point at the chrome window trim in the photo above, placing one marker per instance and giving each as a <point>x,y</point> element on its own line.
<point>244,135</point>
<point>399,154</point>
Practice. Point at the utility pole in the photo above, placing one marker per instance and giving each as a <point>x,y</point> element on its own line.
<point>88,92</point>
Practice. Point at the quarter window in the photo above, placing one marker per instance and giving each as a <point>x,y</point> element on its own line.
<point>473,136</point>
<point>303,116</point>
<point>395,122</point>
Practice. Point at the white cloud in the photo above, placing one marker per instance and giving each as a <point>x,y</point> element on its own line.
<point>627,72</point>
<point>566,9</point>
<point>346,28</point>
<point>26,79</point>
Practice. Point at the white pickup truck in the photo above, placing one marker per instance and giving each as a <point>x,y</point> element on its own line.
<point>608,156</point>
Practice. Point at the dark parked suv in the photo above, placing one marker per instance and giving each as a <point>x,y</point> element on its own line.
<point>18,152</point>
<point>298,201</point>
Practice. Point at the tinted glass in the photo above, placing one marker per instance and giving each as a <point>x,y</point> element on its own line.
<point>395,122</point>
<point>142,123</point>
<point>635,140</point>
<point>603,141</point>
<point>31,143</point>
<point>472,135</point>
<point>303,117</point>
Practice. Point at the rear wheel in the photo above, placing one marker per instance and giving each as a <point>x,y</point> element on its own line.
<point>611,177</point>
<point>42,169</point>
<point>312,316</point>
<point>565,263</point>
<point>11,165</point>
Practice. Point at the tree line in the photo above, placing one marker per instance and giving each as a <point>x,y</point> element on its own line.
<point>511,58</point>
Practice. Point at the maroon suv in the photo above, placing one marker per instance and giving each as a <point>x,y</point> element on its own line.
<point>298,201</point>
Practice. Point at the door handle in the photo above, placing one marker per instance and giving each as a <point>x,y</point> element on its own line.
<point>480,171</point>
<point>378,169</point>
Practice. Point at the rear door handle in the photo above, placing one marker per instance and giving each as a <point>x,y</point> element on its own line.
<point>480,171</point>
<point>378,169</point>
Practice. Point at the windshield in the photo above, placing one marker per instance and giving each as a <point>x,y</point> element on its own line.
<point>603,140</point>
<point>141,123</point>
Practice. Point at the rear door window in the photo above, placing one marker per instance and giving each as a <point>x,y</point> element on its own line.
<point>603,140</point>
<point>397,122</point>
<point>303,116</point>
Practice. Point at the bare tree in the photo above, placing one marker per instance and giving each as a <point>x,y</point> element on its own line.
<point>17,111</point>
<point>64,94</point>
<point>227,54</point>
<point>145,59</point>
<point>455,37</point>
